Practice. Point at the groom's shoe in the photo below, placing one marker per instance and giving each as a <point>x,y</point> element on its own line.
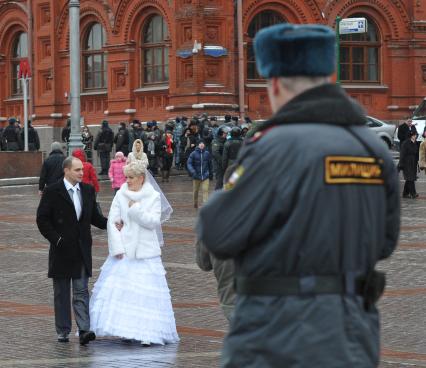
<point>63,337</point>
<point>86,337</point>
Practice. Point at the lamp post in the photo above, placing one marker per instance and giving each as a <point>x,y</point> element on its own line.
<point>241,97</point>
<point>74,20</point>
<point>338,20</point>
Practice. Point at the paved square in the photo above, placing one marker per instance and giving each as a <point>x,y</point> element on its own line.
<point>28,339</point>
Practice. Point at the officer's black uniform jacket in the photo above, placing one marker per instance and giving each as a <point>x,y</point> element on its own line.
<point>288,215</point>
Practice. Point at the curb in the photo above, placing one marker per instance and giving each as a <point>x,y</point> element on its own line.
<point>18,181</point>
<point>34,179</point>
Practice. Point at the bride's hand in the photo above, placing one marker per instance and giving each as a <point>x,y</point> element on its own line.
<point>119,225</point>
<point>131,203</point>
<point>119,256</point>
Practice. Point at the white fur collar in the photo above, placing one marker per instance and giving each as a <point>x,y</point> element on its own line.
<point>146,191</point>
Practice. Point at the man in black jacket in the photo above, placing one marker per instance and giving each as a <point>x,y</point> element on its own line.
<point>12,137</point>
<point>121,139</point>
<point>65,213</point>
<point>405,131</point>
<point>305,226</point>
<point>51,170</point>
<point>103,144</point>
<point>2,144</point>
<point>33,138</point>
<point>231,148</point>
<point>136,132</point>
<point>66,131</point>
<point>217,153</point>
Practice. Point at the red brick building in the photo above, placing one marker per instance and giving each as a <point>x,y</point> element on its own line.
<point>154,59</point>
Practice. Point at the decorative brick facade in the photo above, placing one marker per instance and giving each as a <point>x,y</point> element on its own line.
<point>200,80</point>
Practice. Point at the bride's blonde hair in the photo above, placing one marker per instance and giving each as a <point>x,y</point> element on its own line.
<point>135,168</point>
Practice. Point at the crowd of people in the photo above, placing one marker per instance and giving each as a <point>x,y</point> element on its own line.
<point>202,145</point>
<point>12,137</point>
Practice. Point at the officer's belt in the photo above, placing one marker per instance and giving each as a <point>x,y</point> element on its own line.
<point>306,285</point>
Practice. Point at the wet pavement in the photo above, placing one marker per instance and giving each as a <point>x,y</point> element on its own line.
<point>27,334</point>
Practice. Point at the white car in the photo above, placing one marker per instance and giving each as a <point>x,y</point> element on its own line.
<point>384,130</point>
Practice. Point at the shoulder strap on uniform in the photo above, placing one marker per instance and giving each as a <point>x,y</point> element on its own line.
<point>364,144</point>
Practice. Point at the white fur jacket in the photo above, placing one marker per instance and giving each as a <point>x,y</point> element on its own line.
<point>138,237</point>
<point>135,157</point>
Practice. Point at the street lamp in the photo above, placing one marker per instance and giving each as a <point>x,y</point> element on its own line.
<point>74,20</point>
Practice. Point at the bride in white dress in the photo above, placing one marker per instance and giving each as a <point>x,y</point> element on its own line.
<point>131,298</point>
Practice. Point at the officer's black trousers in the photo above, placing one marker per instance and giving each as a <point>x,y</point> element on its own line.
<point>105,158</point>
<point>219,178</point>
<point>409,188</point>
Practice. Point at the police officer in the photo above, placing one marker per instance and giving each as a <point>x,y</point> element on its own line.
<point>305,224</point>
<point>103,144</point>
<point>231,148</point>
<point>12,137</point>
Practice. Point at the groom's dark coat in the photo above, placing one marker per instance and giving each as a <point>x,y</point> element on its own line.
<point>56,218</point>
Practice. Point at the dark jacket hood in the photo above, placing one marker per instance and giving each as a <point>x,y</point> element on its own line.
<point>326,104</point>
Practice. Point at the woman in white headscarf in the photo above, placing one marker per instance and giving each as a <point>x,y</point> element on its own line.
<point>138,153</point>
<point>131,298</point>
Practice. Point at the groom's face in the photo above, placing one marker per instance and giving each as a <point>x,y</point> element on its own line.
<point>74,174</point>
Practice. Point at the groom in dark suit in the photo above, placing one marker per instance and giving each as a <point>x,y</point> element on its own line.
<point>65,213</point>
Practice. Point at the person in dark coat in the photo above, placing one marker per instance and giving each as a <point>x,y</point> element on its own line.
<point>305,227</point>
<point>231,148</point>
<point>223,271</point>
<point>103,144</point>
<point>87,140</point>
<point>201,170</point>
<point>217,153</point>
<point>207,136</point>
<point>66,132</point>
<point>153,151</point>
<point>33,138</point>
<point>408,164</point>
<point>192,138</point>
<point>136,132</point>
<point>2,143</point>
<point>64,215</point>
<point>121,139</point>
<point>51,170</point>
<point>405,130</point>
<point>177,133</point>
<point>12,136</point>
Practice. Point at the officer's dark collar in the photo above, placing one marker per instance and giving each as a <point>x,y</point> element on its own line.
<point>326,104</point>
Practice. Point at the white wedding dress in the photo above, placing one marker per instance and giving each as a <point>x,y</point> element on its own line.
<point>131,298</point>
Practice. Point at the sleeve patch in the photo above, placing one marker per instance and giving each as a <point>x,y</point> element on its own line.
<point>235,176</point>
<point>353,170</point>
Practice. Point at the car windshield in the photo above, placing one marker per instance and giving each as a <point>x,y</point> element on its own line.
<point>420,112</point>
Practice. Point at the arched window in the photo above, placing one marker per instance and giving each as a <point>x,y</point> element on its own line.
<point>155,51</point>
<point>20,50</point>
<point>94,58</point>
<point>360,55</point>
<point>264,19</point>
